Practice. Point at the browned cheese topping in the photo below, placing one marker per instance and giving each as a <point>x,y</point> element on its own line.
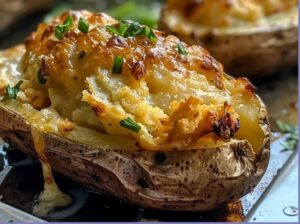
<point>139,84</point>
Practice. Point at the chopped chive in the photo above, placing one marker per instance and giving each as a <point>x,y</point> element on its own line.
<point>60,30</point>
<point>11,92</point>
<point>134,29</point>
<point>152,36</point>
<point>83,25</point>
<point>130,124</point>
<point>122,28</point>
<point>147,31</point>
<point>68,22</point>
<point>131,29</point>
<point>113,30</point>
<point>117,67</point>
<point>181,49</point>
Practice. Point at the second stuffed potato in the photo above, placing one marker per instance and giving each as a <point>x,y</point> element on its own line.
<point>249,37</point>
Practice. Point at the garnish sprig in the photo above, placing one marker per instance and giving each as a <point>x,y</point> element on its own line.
<point>181,49</point>
<point>11,92</point>
<point>118,65</point>
<point>83,25</point>
<point>132,29</point>
<point>291,142</point>
<point>62,29</point>
<point>130,124</point>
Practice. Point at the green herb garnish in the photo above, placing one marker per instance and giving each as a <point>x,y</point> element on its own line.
<point>130,124</point>
<point>113,30</point>
<point>83,25</point>
<point>291,142</point>
<point>132,29</point>
<point>60,30</point>
<point>11,92</point>
<point>151,36</point>
<point>117,67</point>
<point>123,26</point>
<point>181,49</point>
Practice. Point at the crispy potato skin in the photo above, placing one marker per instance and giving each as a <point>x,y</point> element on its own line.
<point>255,53</point>
<point>194,180</point>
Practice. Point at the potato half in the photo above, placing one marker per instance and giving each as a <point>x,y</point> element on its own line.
<point>249,37</point>
<point>204,137</point>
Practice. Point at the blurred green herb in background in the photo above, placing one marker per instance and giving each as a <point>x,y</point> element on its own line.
<point>291,142</point>
<point>144,12</point>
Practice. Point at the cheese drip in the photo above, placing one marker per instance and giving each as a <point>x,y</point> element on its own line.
<point>51,197</point>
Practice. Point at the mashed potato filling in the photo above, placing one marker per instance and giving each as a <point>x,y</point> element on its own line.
<point>175,100</point>
<point>156,86</point>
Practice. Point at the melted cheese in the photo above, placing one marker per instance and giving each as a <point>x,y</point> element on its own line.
<point>48,121</point>
<point>51,197</point>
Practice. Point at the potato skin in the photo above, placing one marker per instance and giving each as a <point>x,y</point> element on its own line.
<point>194,180</point>
<point>253,54</point>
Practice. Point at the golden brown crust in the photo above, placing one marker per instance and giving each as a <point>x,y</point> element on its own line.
<point>101,46</point>
<point>66,64</point>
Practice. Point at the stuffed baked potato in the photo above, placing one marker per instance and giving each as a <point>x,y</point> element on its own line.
<point>249,37</point>
<point>122,108</point>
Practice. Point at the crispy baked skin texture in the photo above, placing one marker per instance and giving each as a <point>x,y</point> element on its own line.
<point>194,180</point>
<point>251,38</point>
<point>205,137</point>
